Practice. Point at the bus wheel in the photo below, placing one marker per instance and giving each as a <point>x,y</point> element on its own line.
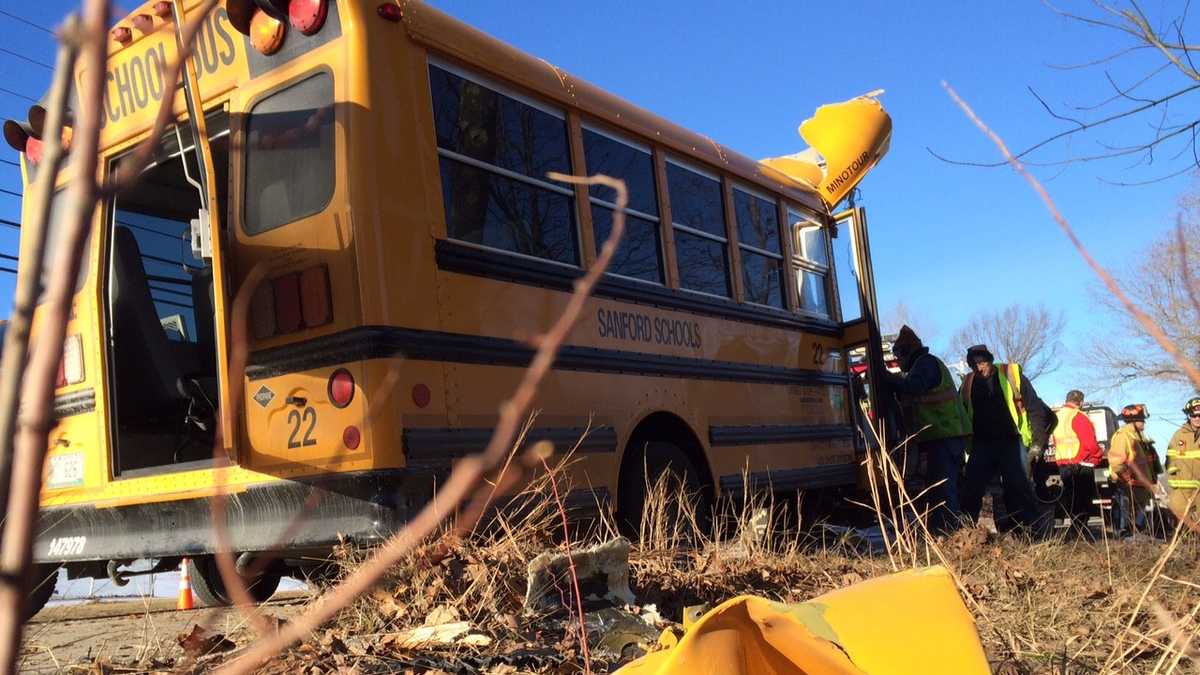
<point>662,465</point>
<point>209,587</point>
<point>44,578</point>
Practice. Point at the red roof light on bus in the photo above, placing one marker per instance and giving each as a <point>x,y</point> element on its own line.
<point>144,23</point>
<point>307,16</point>
<point>33,149</point>
<point>123,35</point>
<point>390,11</point>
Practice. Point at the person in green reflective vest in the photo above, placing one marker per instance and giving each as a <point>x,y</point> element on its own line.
<point>932,412</point>
<point>1005,412</point>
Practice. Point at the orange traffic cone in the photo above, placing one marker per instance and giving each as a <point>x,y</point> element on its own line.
<point>185,588</point>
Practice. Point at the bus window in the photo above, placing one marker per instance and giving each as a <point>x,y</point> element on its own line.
<point>639,254</point>
<point>847,275</point>
<point>697,215</point>
<point>495,152</point>
<point>812,264</point>
<point>758,238</point>
<point>289,156</point>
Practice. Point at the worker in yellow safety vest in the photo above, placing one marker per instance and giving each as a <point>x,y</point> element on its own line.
<point>1183,464</point>
<point>1129,448</point>
<point>1005,412</point>
<point>931,411</point>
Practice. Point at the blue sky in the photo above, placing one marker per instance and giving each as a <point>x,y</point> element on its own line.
<point>947,240</point>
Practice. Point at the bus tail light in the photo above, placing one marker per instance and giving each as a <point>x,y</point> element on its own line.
<point>351,437</point>
<point>70,369</point>
<point>291,302</point>
<point>307,16</point>
<point>287,303</point>
<point>262,312</point>
<point>314,296</point>
<point>341,388</point>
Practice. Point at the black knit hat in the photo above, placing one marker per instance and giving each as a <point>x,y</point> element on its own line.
<point>977,353</point>
<point>907,338</point>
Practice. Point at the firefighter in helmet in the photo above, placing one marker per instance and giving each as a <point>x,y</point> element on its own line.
<point>1183,462</point>
<point>1130,467</point>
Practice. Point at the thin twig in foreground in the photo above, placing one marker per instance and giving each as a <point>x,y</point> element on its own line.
<point>1147,323</point>
<point>34,416</point>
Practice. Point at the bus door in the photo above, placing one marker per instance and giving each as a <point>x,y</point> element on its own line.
<point>165,301</point>
<point>859,318</point>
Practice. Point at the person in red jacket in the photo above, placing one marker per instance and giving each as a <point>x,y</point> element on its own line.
<point>1076,452</point>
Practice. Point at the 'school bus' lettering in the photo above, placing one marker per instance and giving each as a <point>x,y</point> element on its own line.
<point>134,83</point>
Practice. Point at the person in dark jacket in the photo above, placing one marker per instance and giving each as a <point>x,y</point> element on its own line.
<point>933,413</point>
<point>1005,412</point>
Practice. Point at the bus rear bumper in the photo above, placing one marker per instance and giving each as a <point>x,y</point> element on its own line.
<point>302,515</point>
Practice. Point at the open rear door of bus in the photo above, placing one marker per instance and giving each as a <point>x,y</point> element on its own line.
<point>860,322</point>
<point>206,235</point>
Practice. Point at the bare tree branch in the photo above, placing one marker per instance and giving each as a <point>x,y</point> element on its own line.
<point>34,415</point>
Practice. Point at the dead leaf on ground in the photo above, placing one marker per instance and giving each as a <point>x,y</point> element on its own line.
<point>198,642</point>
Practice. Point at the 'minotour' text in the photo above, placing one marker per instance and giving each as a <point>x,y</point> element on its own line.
<point>635,327</point>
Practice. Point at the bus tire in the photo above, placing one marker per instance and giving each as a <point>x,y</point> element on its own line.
<point>44,578</point>
<point>644,469</point>
<point>210,589</point>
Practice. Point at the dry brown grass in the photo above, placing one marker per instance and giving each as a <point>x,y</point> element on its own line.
<point>1040,607</point>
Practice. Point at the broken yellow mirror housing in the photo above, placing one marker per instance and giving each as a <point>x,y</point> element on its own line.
<point>847,140</point>
<point>909,622</point>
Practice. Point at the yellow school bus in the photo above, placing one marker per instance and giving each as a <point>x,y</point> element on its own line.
<point>387,166</point>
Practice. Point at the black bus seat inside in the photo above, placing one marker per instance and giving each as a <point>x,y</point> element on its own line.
<point>148,375</point>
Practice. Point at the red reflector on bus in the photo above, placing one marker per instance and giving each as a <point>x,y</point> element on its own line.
<point>307,16</point>
<point>421,395</point>
<point>314,296</point>
<point>262,311</point>
<point>266,32</point>
<point>351,437</point>
<point>341,388</point>
<point>288,317</point>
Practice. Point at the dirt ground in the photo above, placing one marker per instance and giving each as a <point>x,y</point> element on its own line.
<point>68,638</point>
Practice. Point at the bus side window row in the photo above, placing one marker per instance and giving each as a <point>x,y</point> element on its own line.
<point>495,150</point>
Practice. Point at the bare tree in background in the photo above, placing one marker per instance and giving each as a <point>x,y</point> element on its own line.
<point>1148,121</point>
<point>902,315</point>
<point>1155,278</point>
<point>1030,336</point>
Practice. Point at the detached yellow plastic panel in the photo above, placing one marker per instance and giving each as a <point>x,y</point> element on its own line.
<point>847,140</point>
<point>910,622</point>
